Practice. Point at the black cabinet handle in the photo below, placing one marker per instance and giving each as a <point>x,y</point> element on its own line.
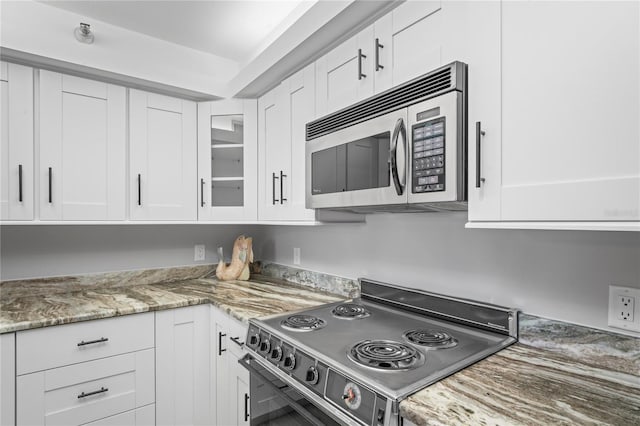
<point>237,341</point>
<point>201,192</point>
<point>220,336</point>
<point>378,47</point>
<point>50,179</point>
<point>282,176</point>
<point>273,188</point>
<point>101,390</point>
<point>246,407</point>
<point>479,134</point>
<point>20,182</point>
<point>360,57</point>
<point>91,342</point>
<point>139,190</point>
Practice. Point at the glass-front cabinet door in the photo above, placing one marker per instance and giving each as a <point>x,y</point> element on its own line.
<point>227,160</point>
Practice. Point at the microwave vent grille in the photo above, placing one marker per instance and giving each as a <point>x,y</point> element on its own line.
<point>441,81</point>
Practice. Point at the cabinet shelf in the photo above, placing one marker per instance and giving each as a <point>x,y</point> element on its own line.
<point>227,145</point>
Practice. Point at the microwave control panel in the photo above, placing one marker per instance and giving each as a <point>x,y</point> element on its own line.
<point>428,154</point>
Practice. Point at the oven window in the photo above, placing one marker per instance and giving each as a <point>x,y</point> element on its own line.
<point>360,164</point>
<point>269,408</point>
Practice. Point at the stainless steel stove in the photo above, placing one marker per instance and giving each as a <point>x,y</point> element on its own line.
<point>352,363</point>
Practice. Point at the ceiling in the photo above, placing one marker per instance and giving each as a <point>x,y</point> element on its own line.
<point>234,29</point>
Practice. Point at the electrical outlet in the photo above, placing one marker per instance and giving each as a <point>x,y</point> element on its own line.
<point>623,311</point>
<point>296,255</point>
<point>625,307</point>
<point>199,252</point>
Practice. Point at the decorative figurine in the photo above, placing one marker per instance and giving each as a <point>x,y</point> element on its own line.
<point>242,256</point>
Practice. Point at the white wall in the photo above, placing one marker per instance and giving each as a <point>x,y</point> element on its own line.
<point>555,274</point>
<point>41,29</point>
<point>40,251</point>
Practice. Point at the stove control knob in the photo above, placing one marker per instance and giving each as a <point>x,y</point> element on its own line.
<point>265,346</point>
<point>254,340</point>
<point>312,376</point>
<point>352,396</point>
<point>276,353</point>
<point>290,362</point>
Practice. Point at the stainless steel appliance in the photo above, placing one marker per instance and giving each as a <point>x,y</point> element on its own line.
<point>401,150</point>
<point>351,363</point>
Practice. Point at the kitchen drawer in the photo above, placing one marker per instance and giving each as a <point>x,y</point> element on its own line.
<point>143,416</point>
<point>238,331</point>
<point>53,347</point>
<point>56,397</point>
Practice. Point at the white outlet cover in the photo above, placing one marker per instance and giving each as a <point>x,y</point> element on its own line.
<point>199,252</point>
<point>296,255</point>
<point>615,295</point>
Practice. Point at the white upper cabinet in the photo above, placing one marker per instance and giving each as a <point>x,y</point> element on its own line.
<point>227,160</point>
<point>345,74</point>
<point>403,44</point>
<point>17,189</point>
<point>82,149</point>
<point>561,140</point>
<point>163,157</point>
<point>412,36</point>
<point>282,115</point>
<point>570,111</point>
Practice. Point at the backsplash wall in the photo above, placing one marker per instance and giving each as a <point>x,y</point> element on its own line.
<point>561,275</point>
<point>43,250</point>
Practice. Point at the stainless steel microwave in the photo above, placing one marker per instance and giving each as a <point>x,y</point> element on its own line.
<point>401,150</point>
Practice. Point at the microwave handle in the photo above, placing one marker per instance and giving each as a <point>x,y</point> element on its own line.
<point>399,179</point>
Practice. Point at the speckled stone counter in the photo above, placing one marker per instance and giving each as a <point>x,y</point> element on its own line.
<point>52,301</point>
<point>557,374</point>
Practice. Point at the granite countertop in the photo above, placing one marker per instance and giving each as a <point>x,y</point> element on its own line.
<point>557,373</point>
<point>40,303</point>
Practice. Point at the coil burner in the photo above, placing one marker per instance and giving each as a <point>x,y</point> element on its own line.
<point>303,323</point>
<point>385,355</point>
<point>350,311</point>
<point>430,339</point>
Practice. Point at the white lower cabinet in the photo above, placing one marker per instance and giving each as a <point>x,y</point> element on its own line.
<point>231,379</point>
<point>183,375</point>
<point>143,416</point>
<point>81,393</point>
<point>84,372</point>
<point>7,379</point>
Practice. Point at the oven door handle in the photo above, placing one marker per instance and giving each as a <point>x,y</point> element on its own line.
<point>245,362</point>
<point>398,170</point>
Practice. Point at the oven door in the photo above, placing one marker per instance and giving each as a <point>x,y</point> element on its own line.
<point>362,165</point>
<point>274,402</point>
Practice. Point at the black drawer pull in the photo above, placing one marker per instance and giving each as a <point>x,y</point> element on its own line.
<point>101,390</point>
<point>246,407</point>
<point>220,336</point>
<point>282,176</point>
<point>91,342</point>
<point>20,182</point>
<point>139,189</point>
<point>50,179</point>
<point>479,134</point>
<point>237,341</point>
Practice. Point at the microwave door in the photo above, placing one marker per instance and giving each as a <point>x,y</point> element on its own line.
<point>359,166</point>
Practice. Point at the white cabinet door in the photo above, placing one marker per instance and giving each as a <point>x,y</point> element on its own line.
<point>163,157</point>
<point>7,379</point>
<point>479,48</point>
<point>272,150</point>
<point>283,114</point>
<point>345,74</point>
<point>82,149</point>
<point>183,366</point>
<point>415,42</point>
<point>570,108</point>
<point>17,189</point>
<point>227,160</point>
<point>231,379</point>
